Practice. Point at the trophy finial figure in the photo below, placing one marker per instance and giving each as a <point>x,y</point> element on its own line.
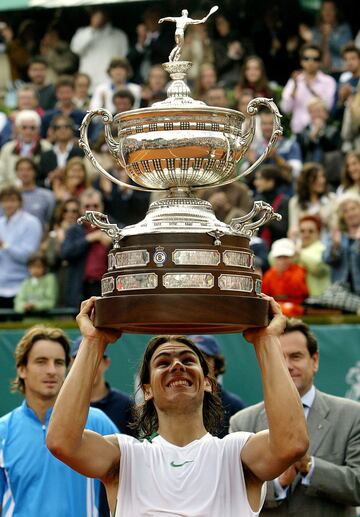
<point>181,23</point>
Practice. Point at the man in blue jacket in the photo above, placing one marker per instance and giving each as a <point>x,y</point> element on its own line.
<point>33,483</point>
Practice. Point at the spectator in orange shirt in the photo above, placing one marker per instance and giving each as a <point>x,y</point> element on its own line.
<point>285,280</point>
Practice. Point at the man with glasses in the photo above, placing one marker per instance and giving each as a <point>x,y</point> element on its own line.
<point>27,143</point>
<point>64,148</point>
<point>304,86</point>
<point>85,249</point>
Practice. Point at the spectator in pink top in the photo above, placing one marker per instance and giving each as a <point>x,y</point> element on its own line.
<point>305,85</point>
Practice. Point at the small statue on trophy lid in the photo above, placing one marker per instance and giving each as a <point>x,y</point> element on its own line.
<point>181,23</point>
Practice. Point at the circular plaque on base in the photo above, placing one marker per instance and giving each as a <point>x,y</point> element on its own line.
<point>185,314</point>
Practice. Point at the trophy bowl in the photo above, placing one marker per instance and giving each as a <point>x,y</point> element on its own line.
<point>163,149</point>
<point>181,270</point>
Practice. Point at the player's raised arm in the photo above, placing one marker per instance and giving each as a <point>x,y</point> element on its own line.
<point>269,453</point>
<point>84,451</point>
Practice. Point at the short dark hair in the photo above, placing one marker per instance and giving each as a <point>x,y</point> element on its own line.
<point>37,257</point>
<point>296,325</point>
<point>145,416</point>
<point>350,47</point>
<point>82,74</point>
<point>309,46</point>
<point>124,94</point>
<point>68,120</point>
<point>10,190</point>
<point>30,161</point>
<point>65,80</point>
<point>39,60</point>
<point>272,172</point>
<point>120,62</point>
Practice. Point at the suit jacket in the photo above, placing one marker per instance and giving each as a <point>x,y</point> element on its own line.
<point>74,250</point>
<point>48,162</point>
<point>334,429</point>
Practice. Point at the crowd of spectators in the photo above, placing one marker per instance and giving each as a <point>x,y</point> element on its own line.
<point>312,178</point>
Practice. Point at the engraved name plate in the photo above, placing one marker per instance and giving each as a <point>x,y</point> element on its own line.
<point>237,259</point>
<point>133,258</point>
<point>196,257</point>
<point>137,281</point>
<point>236,283</point>
<point>188,280</point>
<point>258,285</point>
<point>107,285</point>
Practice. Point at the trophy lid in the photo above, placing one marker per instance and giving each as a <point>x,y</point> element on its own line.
<point>178,93</point>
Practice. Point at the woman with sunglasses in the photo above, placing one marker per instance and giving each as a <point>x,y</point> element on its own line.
<point>66,215</point>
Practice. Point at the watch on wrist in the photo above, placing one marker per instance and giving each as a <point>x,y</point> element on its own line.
<point>307,468</point>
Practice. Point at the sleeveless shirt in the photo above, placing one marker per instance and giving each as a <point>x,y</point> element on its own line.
<point>202,479</point>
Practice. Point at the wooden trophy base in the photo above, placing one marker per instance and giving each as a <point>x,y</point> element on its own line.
<point>181,283</point>
<point>185,314</point>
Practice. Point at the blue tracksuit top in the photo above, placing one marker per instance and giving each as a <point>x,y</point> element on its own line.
<point>33,483</point>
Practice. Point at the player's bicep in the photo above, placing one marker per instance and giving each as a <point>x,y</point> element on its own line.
<point>96,456</point>
<point>258,457</point>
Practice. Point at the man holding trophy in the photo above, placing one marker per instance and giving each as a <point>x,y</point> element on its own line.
<point>180,468</point>
<point>180,271</point>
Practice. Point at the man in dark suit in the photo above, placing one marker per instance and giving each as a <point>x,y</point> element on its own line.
<point>326,481</point>
<point>64,147</point>
<point>85,249</point>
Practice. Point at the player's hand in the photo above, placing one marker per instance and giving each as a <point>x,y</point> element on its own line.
<point>85,321</point>
<point>288,476</point>
<point>302,465</point>
<point>276,324</point>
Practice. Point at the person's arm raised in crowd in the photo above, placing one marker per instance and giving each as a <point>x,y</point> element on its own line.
<point>269,453</point>
<point>85,451</point>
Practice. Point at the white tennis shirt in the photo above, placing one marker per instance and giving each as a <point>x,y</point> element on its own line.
<point>203,479</point>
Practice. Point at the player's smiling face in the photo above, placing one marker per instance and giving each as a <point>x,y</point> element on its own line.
<point>176,376</point>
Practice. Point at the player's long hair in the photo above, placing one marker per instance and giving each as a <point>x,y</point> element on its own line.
<point>145,421</point>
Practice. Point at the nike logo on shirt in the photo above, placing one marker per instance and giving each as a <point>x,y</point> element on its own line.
<point>173,464</point>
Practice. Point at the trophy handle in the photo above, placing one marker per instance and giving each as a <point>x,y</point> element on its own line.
<point>113,146</point>
<point>99,220</point>
<point>253,109</point>
<point>245,226</point>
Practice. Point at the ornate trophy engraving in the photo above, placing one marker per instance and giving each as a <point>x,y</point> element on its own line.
<point>181,269</point>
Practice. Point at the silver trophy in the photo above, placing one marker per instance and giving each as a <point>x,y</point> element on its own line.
<point>181,269</point>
